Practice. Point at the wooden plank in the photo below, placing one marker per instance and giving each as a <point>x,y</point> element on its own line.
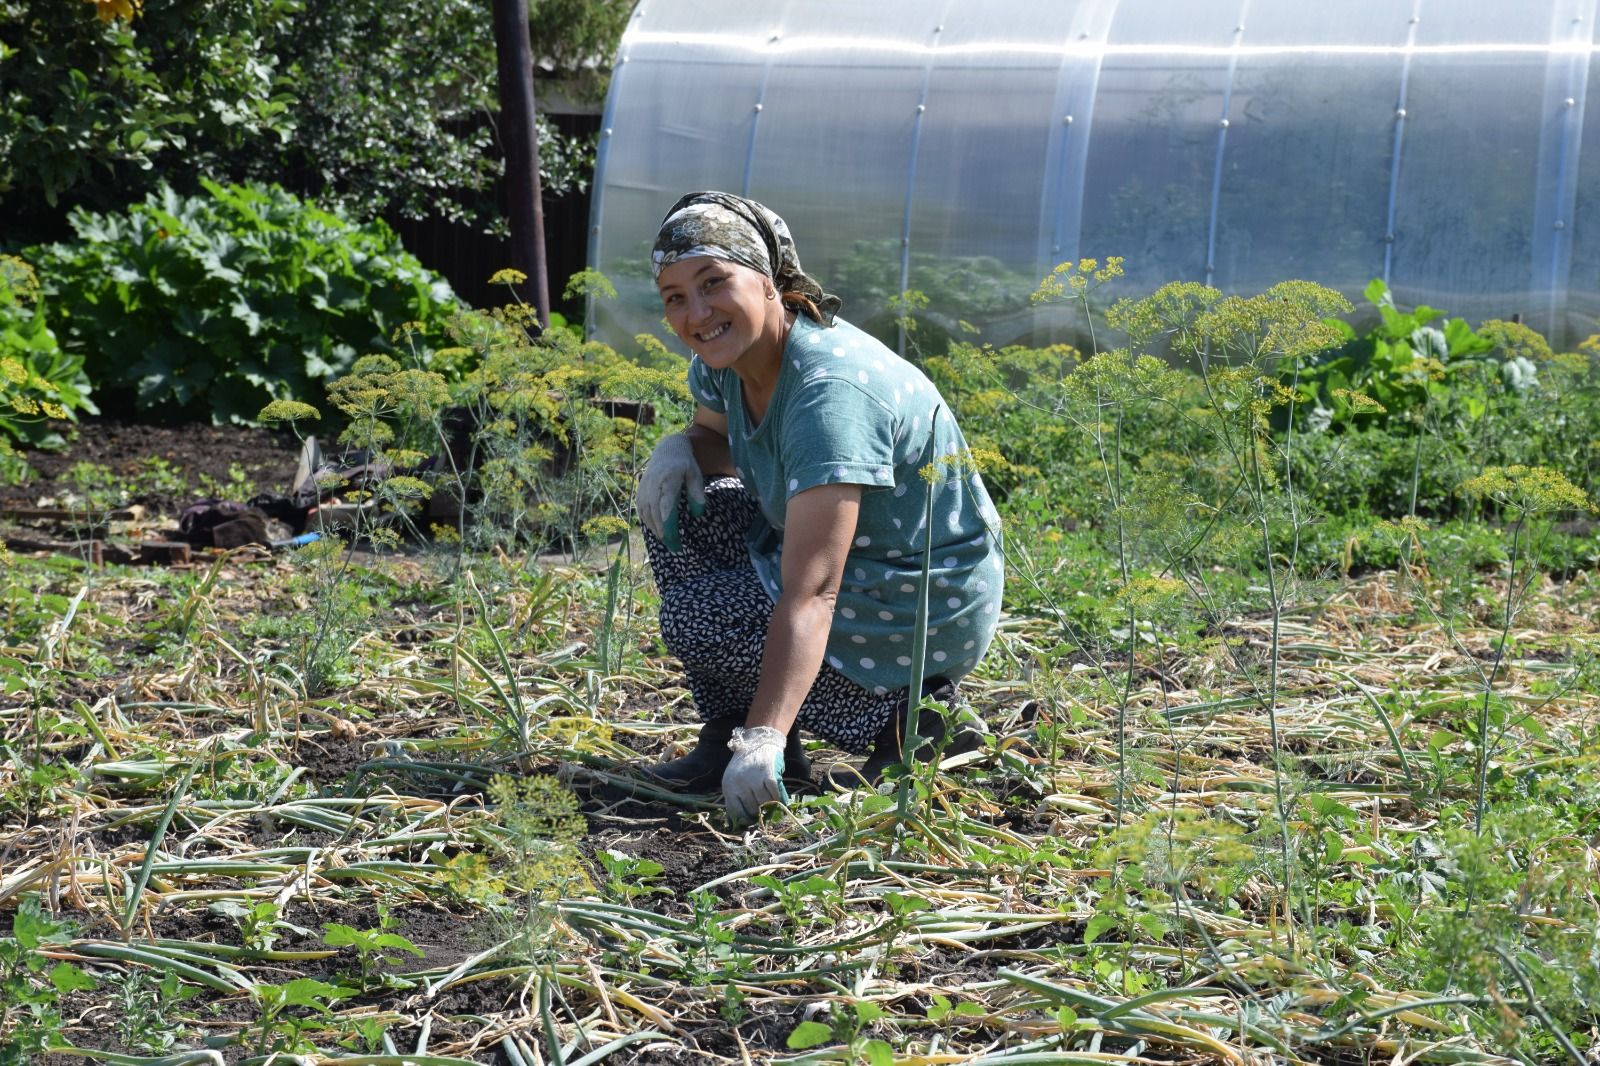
<point>163,552</point>
<point>83,517</point>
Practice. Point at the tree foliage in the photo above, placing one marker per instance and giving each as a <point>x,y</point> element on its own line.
<point>366,105</point>
<point>90,106</point>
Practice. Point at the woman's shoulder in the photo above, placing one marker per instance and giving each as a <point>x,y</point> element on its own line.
<point>840,340</point>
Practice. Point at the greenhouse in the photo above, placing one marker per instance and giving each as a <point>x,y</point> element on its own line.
<point>963,149</point>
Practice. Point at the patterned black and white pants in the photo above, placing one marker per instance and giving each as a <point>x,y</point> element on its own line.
<point>714,617</point>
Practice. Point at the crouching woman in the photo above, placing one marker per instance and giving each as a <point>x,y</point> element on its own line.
<point>787,525</point>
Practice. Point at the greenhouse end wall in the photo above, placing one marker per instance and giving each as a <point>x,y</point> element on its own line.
<point>965,148</point>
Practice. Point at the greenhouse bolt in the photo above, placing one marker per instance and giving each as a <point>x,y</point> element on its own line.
<point>1223,123</point>
<point>1399,112</point>
<point>758,107</point>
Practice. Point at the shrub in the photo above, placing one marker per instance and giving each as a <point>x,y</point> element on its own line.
<point>1394,373</point>
<point>38,381</point>
<point>93,107</point>
<point>214,305</point>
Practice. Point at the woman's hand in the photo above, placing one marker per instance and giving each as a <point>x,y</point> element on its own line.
<point>672,469</point>
<point>755,773</point>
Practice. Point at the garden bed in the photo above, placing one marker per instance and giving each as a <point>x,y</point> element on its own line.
<point>1007,913</point>
<point>162,468</point>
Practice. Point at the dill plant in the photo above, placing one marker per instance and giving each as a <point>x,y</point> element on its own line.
<point>1524,493</point>
<point>535,868</point>
<point>1239,347</point>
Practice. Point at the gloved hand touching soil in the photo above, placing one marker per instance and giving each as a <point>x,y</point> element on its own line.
<point>755,773</point>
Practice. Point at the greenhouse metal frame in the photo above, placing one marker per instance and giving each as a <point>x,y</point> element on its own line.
<point>963,148</point>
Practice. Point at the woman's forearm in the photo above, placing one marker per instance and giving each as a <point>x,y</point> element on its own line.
<point>797,638</point>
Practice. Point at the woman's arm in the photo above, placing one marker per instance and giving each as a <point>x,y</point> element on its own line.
<point>708,434</point>
<point>819,526</point>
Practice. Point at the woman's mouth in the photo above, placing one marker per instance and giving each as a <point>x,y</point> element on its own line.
<point>712,335</point>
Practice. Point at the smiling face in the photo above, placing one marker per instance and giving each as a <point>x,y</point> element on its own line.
<point>721,311</point>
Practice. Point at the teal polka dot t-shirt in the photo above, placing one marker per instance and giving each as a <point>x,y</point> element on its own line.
<point>846,409</point>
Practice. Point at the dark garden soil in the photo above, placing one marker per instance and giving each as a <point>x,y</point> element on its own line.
<point>163,468</point>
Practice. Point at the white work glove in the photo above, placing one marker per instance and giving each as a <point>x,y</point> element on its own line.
<point>755,773</point>
<point>671,470</point>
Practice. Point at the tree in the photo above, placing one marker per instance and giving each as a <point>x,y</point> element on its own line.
<point>369,105</point>
<point>91,105</point>
<point>519,136</point>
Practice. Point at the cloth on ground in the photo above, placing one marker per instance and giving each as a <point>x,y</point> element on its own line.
<point>222,524</point>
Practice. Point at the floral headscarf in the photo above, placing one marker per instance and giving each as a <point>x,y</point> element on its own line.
<point>738,229</point>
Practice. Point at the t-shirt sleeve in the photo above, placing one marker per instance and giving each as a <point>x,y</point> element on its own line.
<point>837,434</point>
<point>703,387</point>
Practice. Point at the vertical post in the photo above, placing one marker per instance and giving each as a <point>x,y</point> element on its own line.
<point>1389,236</point>
<point>1222,144</point>
<point>520,139</point>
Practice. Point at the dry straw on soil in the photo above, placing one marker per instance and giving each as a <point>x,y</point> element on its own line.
<point>964,926</point>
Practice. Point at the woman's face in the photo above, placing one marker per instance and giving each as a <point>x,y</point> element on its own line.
<point>719,309</point>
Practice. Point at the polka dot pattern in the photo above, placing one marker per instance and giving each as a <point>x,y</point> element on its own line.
<point>715,616</point>
<point>846,410</point>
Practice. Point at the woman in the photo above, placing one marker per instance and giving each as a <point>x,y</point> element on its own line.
<point>786,526</point>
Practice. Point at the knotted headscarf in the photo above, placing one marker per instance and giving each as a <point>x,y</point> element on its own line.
<point>736,228</point>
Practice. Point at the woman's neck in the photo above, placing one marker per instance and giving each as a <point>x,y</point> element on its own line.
<point>762,365</point>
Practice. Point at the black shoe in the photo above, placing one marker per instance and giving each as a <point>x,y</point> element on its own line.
<point>886,746</point>
<point>701,769</point>
<point>796,763</point>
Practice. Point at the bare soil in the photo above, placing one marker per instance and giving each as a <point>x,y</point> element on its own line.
<point>163,468</point>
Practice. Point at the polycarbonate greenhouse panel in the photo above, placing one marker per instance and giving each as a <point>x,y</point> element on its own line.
<point>964,147</point>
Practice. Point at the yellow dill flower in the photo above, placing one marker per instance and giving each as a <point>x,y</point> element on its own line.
<point>288,411</point>
<point>1515,339</point>
<point>1529,489</point>
<point>589,283</point>
<point>406,330</point>
<point>1360,402</point>
<point>603,527</point>
<point>507,276</point>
